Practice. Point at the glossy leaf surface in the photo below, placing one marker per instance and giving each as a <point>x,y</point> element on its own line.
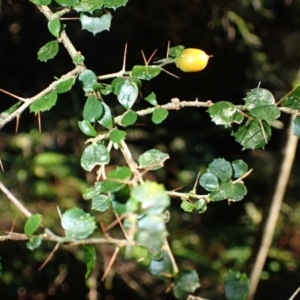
<point>95,24</point>
<point>236,286</point>
<point>93,109</point>
<point>151,98</point>
<point>116,179</point>
<point>225,113</point>
<point>159,114</point>
<point>54,27</point>
<point>117,135</point>
<point>87,78</point>
<point>94,154</point>
<point>186,282</point>
<point>106,119</point>
<point>34,242</point>
<point>87,128</point>
<point>44,103</point>
<point>89,257</point>
<point>32,224</point>
<point>128,118</point>
<point>77,224</point>
<point>145,72</point>
<point>88,5</point>
<point>152,159</point>
<point>65,85</point>
<point>48,51</point>
<point>221,168</point>
<point>254,134</point>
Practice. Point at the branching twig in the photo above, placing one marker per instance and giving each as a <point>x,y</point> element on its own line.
<point>130,162</point>
<point>274,210</point>
<point>14,200</point>
<point>29,101</point>
<point>295,294</point>
<point>49,257</point>
<point>186,195</point>
<point>63,36</point>
<point>171,256</point>
<point>112,260</point>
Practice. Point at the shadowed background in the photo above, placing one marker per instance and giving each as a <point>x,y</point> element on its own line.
<point>251,42</point>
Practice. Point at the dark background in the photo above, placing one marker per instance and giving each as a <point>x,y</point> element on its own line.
<point>251,42</point>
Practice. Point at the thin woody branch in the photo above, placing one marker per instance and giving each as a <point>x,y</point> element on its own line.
<point>29,101</point>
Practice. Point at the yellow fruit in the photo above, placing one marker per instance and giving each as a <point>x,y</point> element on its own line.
<point>192,60</point>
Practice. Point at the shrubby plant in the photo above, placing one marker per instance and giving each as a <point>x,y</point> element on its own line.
<point>140,206</point>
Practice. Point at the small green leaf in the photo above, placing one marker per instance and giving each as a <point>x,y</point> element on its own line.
<point>145,72</point>
<point>87,128</point>
<point>54,27</point>
<point>115,180</point>
<point>176,51</point>
<point>78,59</point>
<point>48,51</point>
<point>101,202</point>
<point>233,191</point>
<point>293,99</point>
<point>97,87</point>
<point>89,257</point>
<point>93,155</point>
<point>95,24</point>
<point>296,127</point>
<point>32,224</point>
<point>10,110</point>
<point>67,3</point>
<point>258,97</point>
<point>152,159</point>
<point>106,90</point>
<point>217,196</point>
<point>88,5</point>
<point>119,207</point>
<point>34,242</point>
<point>254,134</point>
<point>236,286</point>
<point>93,191</point>
<point>152,99</point>
<point>201,205</point>
<point>152,196</point>
<point>161,268</point>
<point>44,103</point>
<point>77,224</point>
<point>87,78</point>
<point>65,85</point>
<point>209,181</point>
<point>128,118</point>
<point>92,110</point>
<point>224,113</point>
<point>220,168</point>
<point>261,103</point>
<point>151,231</point>
<point>106,119</point>
<point>240,168</point>
<point>117,135</point>
<point>268,113</point>
<point>159,114</point>
<point>115,3</point>
<point>126,91</point>
<point>41,2</point>
<point>187,206</point>
<point>186,283</point>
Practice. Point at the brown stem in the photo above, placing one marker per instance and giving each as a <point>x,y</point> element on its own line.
<point>288,159</point>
